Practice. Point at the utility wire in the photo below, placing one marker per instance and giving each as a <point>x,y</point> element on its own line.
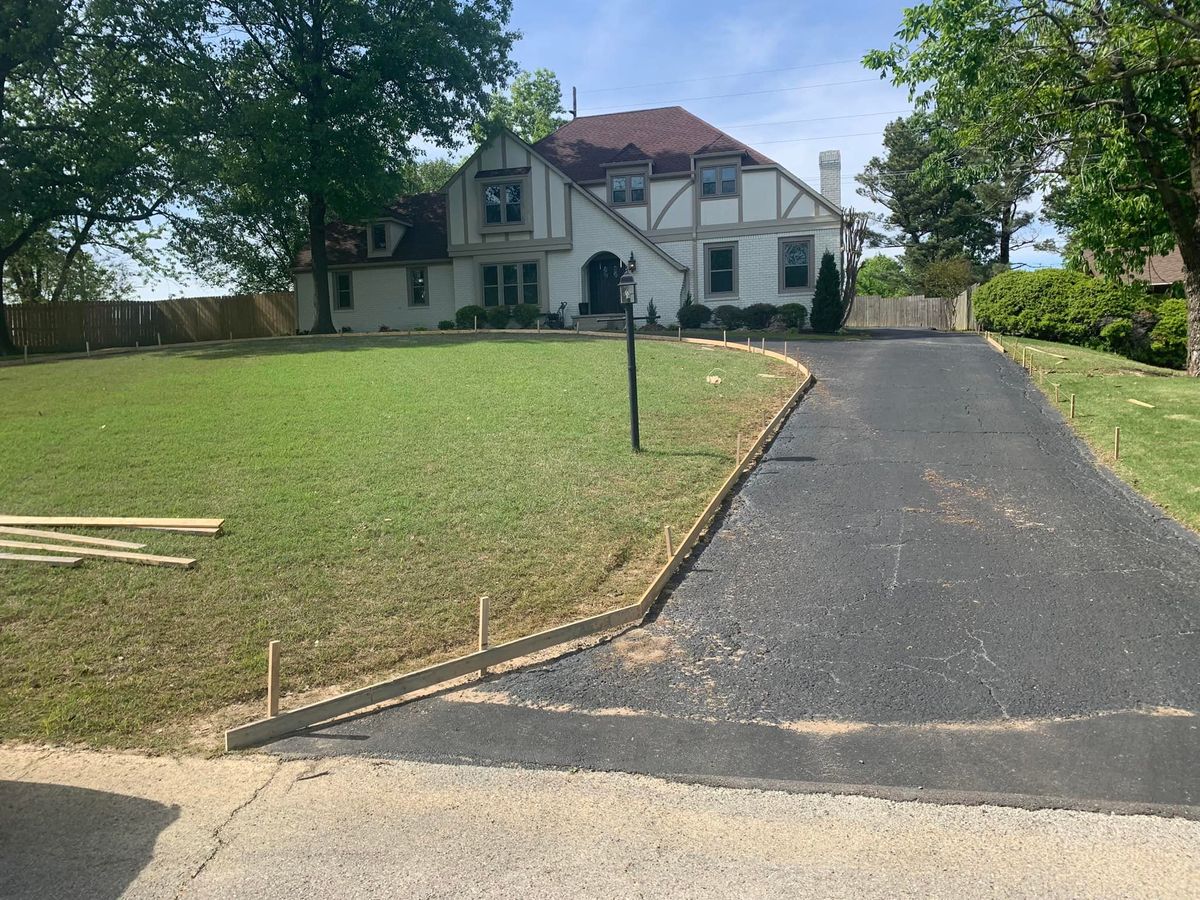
<point>657,103</point>
<point>629,87</point>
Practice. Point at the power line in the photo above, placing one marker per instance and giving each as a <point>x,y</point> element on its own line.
<point>882,112</point>
<point>629,87</point>
<point>819,137</point>
<point>803,87</point>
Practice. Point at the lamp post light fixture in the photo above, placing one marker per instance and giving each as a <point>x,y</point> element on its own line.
<point>628,291</point>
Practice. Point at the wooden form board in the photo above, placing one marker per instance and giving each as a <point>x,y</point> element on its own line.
<point>285,723</point>
<point>71,538</point>
<point>68,561</point>
<point>142,558</point>
<point>109,522</point>
<point>210,532</point>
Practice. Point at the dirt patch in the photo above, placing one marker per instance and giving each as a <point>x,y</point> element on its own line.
<point>640,650</point>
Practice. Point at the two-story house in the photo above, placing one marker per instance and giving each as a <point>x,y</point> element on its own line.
<point>700,213</point>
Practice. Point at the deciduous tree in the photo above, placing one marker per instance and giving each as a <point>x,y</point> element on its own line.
<point>1109,89</point>
<point>532,109</point>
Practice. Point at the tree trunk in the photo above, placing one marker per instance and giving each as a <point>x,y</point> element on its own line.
<point>1191,287</point>
<point>6,344</point>
<point>1006,220</point>
<point>320,264</point>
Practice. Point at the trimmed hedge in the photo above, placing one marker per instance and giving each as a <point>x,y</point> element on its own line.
<point>525,314</point>
<point>1074,308</point>
<point>729,317</point>
<point>693,315</point>
<point>759,315</point>
<point>498,316</point>
<point>794,315</point>
<point>465,317</point>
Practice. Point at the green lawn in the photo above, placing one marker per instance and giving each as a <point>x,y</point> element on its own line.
<point>374,488</point>
<point>1160,447</point>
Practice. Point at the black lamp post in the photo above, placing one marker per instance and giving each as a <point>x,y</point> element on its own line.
<point>628,289</point>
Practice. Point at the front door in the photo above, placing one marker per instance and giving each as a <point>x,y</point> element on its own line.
<point>604,296</point>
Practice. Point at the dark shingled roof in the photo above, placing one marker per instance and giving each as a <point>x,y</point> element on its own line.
<point>424,239</point>
<point>668,136</point>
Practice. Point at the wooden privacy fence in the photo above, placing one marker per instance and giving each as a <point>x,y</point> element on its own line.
<point>919,311</point>
<point>70,327</point>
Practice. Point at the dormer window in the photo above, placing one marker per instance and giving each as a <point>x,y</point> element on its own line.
<point>502,204</point>
<point>718,181</point>
<point>626,189</point>
<point>379,236</point>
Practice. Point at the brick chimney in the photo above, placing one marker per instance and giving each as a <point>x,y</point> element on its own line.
<point>831,175</point>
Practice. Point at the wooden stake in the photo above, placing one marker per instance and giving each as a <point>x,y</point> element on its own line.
<point>763,348</point>
<point>477,324</point>
<point>109,522</point>
<point>738,455</point>
<point>681,332</point>
<point>724,341</point>
<point>272,679</point>
<point>158,334</point>
<point>26,353</point>
<point>1117,442</point>
<point>1072,406</point>
<point>1056,400</point>
<point>485,603</point>
<point>87,346</point>
<point>785,353</point>
<point>670,543</point>
<point>748,347</point>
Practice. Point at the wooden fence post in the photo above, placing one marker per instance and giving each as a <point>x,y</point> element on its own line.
<point>485,603</point>
<point>272,679</point>
<point>670,544</point>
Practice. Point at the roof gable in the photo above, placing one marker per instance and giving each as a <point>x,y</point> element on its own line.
<point>669,137</point>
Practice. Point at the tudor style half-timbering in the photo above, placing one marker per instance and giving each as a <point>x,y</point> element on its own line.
<point>552,224</point>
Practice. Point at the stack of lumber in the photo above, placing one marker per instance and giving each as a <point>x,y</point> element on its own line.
<point>58,548</point>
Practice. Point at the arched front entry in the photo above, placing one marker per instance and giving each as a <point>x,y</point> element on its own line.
<point>603,271</point>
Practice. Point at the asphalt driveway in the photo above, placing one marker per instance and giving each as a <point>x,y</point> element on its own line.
<point>927,588</point>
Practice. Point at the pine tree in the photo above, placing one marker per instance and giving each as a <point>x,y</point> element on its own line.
<point>826,315</point>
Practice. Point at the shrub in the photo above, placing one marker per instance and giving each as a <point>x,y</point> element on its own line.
<point>729,317</point>
<point>651,313</point>
<point>446,325</point>
<point>759,315</point>
<point>1058,305</point>
<point>827,301</point>
<point>525,314</point>
<point>498,316</point>
<point>693,315</point>
<point>465,317</point>
<point>1168,340</point>
<point>947,277</point>
<point>794,314</point>
<point>882,276</point>
<point>1117,337</point>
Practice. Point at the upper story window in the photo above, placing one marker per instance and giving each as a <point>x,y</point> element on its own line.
<point>718,181</point>
<point>379,236</point>
<point>625,189</point>
<point>503,203</point>
<point>418,286</point>
<point>343,290</point>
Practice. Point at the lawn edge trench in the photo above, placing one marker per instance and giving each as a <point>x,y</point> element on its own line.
<point>273,727</point>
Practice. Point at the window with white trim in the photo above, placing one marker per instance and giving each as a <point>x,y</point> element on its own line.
<point>510,284</point>
<point>378,236</point>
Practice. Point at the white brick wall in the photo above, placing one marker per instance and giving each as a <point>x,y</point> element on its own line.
<point>595,232</point>
<point>758,268</point>
<point>381,298</point>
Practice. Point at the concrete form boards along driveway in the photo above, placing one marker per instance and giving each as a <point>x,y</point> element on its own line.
<point>927,587</point>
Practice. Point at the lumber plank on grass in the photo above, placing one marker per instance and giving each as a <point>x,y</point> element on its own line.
<point>1141,403</point>
<point>71,538</point>
<point>68,561</point>
<point>109,522</point>
<point>210,532</point>
<point>145,559</point>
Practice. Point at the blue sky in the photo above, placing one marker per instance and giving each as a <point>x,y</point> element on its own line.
<point>808,92</point>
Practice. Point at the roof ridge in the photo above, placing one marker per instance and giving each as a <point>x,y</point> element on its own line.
<point>626,112</point>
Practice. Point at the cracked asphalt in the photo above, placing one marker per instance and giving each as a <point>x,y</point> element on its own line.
<point>926,588</point>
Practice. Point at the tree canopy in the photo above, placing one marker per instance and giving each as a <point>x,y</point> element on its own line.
<point>1107,92</point>
<point>532,108</point>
